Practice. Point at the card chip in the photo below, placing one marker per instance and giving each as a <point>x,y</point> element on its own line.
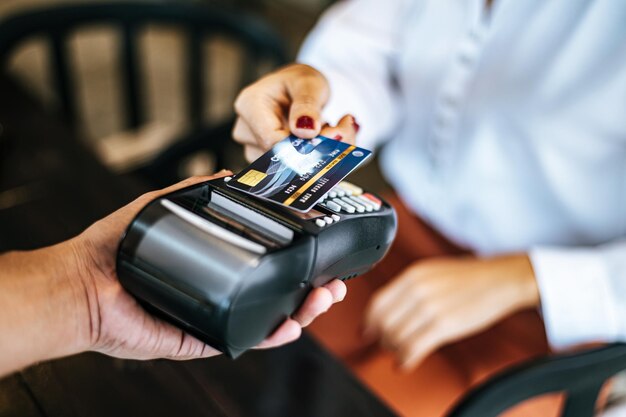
<point>252,177</point>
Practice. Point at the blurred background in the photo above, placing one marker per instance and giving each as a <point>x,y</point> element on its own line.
<point>97,85</point>
<point>148,92</point>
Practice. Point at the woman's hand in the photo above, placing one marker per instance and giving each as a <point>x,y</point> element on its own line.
<point>435,302</point>
<point>116,323</point>
<point>289,100</point>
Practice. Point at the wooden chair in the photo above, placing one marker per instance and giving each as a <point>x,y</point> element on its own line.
<point>199,22</point>
<point>580,376</point>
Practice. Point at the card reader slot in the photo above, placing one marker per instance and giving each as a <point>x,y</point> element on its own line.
<point>232,224</point>
<point>253,220</point>
<point>278,213</point>
<point>213,229</point>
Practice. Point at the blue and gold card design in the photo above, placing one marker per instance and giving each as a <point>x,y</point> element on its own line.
<point>298,172</point>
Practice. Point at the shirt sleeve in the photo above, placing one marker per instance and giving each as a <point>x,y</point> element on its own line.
<point>355,45</point>
<point>583,293</point>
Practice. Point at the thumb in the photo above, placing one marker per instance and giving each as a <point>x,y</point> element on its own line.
<point>308,94</point>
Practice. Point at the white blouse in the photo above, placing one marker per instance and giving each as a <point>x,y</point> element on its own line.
<point>504,128</point>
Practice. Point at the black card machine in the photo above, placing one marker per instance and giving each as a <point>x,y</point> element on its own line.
<point>229,268</point>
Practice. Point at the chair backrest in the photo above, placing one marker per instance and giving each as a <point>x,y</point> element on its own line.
<point>56,24</point>
<point>580,376</point>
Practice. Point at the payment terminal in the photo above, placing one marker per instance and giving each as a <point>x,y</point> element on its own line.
<point>229,268</point>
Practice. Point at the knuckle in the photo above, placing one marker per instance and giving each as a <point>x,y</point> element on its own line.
<point>416,289</point>
<point>407,350</point>
<point>443,323</point>
<point>376,303</point>
<point>250,152</point>
<point>305,100</point>
<point>243,98</point>
<point>299,70</point>
<point>431,309</point>
<point>384,324</point>
<point>238,131</point>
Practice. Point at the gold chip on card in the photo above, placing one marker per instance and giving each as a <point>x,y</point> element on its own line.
<point>252,177</point>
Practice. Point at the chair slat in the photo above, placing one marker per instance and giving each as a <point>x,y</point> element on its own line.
<point>582,403</point>
<point>131,79</point>
<point>249,64</point>
<point>60,75</point>
<point>195,77</point>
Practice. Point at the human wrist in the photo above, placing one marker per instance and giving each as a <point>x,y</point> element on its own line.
<point>525,282</point>
<point>79,273</point>
<point>67,306</point>
<point>42,306</point>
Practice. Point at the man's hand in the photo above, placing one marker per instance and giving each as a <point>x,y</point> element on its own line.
<point>435,302</point>
<point>66,299</point>
<point>117,324</point>
<point>288,100</point>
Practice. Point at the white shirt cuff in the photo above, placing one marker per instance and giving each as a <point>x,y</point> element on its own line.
<point>576,298</point>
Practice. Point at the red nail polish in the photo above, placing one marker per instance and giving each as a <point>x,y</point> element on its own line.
<point>355,125</point>
<point>305,122</point>
<point>338,137</point>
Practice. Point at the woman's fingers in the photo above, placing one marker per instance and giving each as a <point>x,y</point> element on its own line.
<point>263,115</point>
<point>309,94</point>
<point>265,121</point>
<point>398,334</point>
<point>345,131</point>
<point>289,100</point>
<point>252,153</point>
<point>419,345</point>
<point>386,299</point>
<point>405,309</point>
<point>243,134</point>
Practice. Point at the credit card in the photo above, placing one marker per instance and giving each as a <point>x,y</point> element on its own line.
<point>296,172</point>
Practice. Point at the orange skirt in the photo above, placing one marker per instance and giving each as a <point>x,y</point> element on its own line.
<point>446,375</point>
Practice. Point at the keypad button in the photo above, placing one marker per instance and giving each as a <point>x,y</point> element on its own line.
<point>347,207</point>
<point>333,206</point>
<point>328,220</point>
<point>335,217</point>
<point>359,207</point>
<point>368,206</point>
<point>320,222</point>
<point>356,190</point>
<point>375,200</point>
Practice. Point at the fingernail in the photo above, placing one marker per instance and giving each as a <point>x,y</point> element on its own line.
<point>355,125</point>
<point>338,137</point>
<point>305,122</point>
